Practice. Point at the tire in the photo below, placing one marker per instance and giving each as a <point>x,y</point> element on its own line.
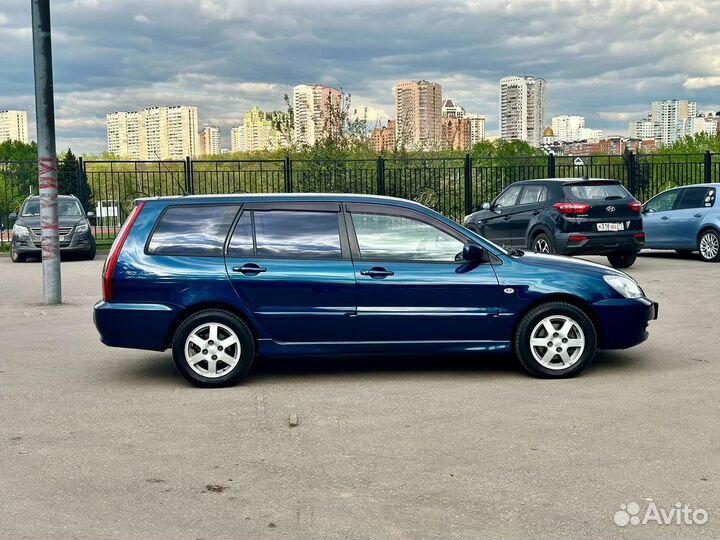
<point>531,349</point>
<point>228,327</point>
<point>683,252</point>
<point>542,244</point>
<point>90,255</point>
<point>709,245</point>
<point>17,257</point>
<point>622,259</point>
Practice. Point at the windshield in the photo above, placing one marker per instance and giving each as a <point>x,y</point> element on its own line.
<point>66,207</point>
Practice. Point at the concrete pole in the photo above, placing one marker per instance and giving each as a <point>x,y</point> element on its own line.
<point>47,156</point>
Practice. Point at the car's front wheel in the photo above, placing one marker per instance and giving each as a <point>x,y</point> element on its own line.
<point>555,340</point>
<point>709,246</point>
<point>213,348</point>
<point>622,259</point>
<point>17,257</point>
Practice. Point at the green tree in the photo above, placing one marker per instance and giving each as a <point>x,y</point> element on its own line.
<point>72,180</point>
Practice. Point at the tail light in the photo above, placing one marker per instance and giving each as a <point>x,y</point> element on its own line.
<point>577,238</point>
<point>635,206</point>
<point>572,209</point>
<point>115,250</point>
<point>639,236</point>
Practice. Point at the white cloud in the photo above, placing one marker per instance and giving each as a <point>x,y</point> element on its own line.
<point>142,19</point>
<point>701,82</point>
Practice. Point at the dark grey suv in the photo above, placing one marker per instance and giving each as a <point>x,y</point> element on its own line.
<point>74,228</point>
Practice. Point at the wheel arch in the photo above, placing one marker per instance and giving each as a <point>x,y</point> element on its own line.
<point>705,228</point>
<point>575,301</point>
<point>204,306</point>
<point>535,231</point>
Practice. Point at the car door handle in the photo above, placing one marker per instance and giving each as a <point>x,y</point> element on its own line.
<point>249,269</point>
<point>377,272</point>
<point>697,215</point>
<point>507,218</point>
<point>665,217</point>
<point>535,212</point>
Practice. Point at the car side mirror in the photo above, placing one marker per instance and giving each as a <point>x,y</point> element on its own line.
<point>473,253</point>
<point>91,215</point>
<point>485,206</point>
<point>13,217</point>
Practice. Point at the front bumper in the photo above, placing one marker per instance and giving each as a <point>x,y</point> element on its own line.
<point>31,245</point>
<point>623,323</point>
<point>133,326</point>
<point>598,243</point>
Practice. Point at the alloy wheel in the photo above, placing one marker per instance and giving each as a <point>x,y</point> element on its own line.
<point>212,350</point>
<point>542,246</point>
<point>557,342</point>
<point>709,246</point>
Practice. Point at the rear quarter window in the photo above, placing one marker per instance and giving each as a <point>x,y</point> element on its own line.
<point>597,192</point>
<point>192,230</point>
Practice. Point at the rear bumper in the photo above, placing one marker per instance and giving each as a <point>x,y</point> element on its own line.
<point>598,243</point>
<point>133,326</point>
<point>624,322</point>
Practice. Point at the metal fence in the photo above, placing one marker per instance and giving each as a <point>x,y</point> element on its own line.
<point>454,186</point>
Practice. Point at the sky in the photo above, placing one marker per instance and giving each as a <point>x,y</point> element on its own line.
<point>603,59</point>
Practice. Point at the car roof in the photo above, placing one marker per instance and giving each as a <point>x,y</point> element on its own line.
<point>715,185</point>
<point>275,197</point>
<point>64,197</point>
<point>567,181</point>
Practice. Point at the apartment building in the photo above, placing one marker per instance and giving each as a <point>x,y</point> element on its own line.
<point>237,139</point>
<point>316,109</point>
<point>14,126</point>
<point>153,133</point>
<point>418,115</point>
<point>452,110</point>
<point>382,139</point>
<point>477,128</point>
<point>209,144</point>
<point>522,109</point>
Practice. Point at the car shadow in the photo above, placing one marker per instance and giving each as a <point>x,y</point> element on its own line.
<point>669,255</point>
<point>159,368</point>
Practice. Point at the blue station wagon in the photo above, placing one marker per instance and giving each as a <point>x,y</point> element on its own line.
<point>222,279</point>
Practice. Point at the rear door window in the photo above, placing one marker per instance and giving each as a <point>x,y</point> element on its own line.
<point>597,192</point>
<point>694,197</point>
<point>287,234</point>
<point>192,230</point>
<point>663,202</point>
<point>533,195</point>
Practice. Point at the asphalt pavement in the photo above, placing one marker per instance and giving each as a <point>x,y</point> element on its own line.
<point>111,443</point>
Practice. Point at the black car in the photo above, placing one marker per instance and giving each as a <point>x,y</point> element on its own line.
<point>569,216</point>
<point>73,226</point>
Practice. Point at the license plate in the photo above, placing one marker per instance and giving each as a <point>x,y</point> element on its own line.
<point>610,227</point>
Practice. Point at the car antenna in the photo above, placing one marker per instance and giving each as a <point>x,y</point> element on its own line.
<point>172,176</point>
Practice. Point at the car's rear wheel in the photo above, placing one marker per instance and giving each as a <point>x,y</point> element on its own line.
<point>542,244</point>
<point>17,257</point>
<point>622,259</point>
<point>213,348</point>
<point>709,245</point>
<point>555,340</point>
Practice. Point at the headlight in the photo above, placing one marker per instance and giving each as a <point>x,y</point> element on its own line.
<point>19,230</point>
<point>625,286</point>
<point>82,228</point>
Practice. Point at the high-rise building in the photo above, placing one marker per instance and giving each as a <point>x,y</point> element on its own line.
<point>14,126</point>
<point>418,115</point>
<point>209,141</point>
<point>668,117</point>
<point>522,109</point>
<point>237,139</point>
<point>382,139</point>
<point>642,129</point>
<point>456,133</point>
<point>477,128</point>
<point>316,109</point>
<point>567,128</point>
<point>451,110</point>
<point>154,133</point>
